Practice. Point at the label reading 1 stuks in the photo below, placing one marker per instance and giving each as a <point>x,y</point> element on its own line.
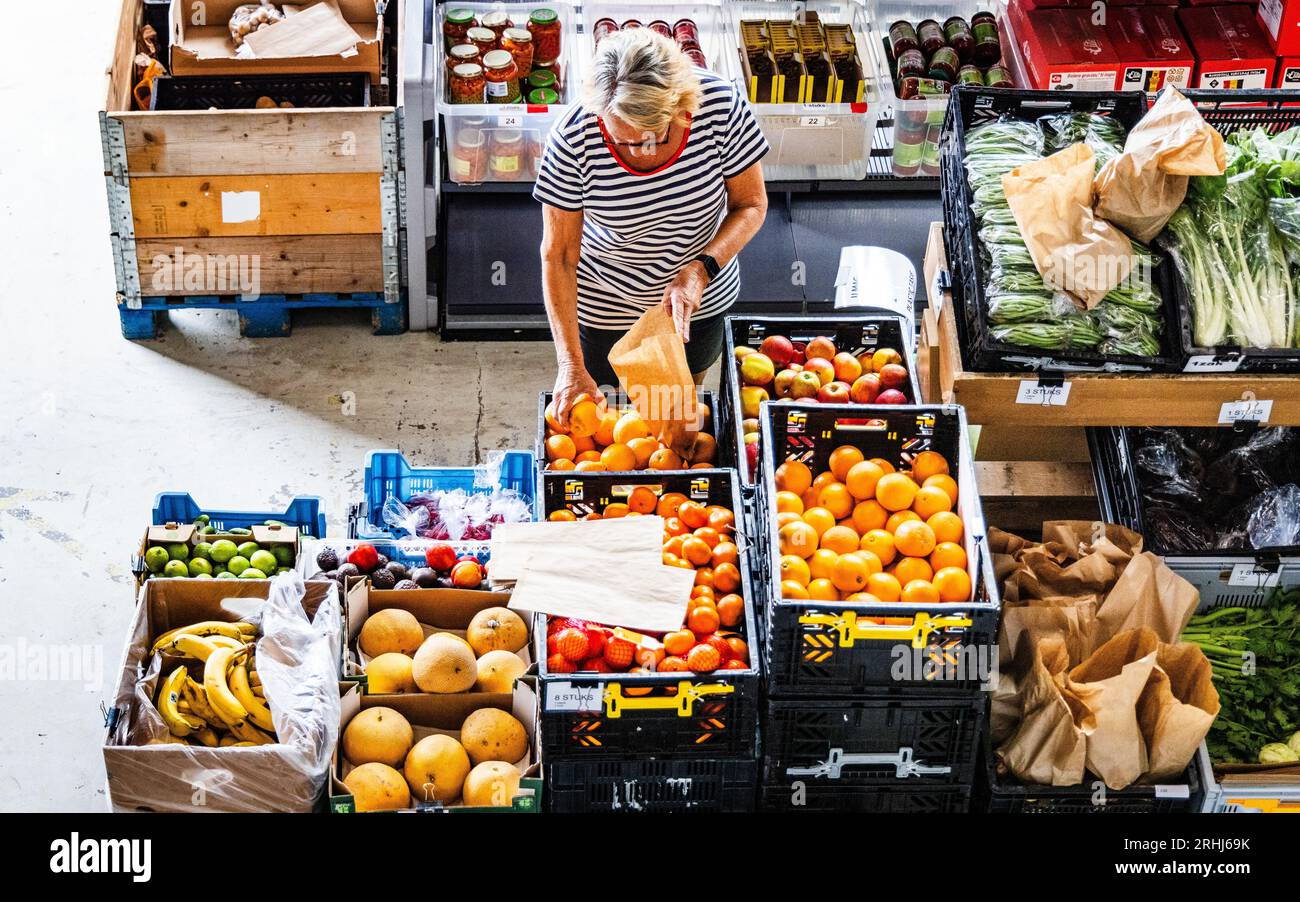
<point>1249,576</point>
<point>1245,411</point>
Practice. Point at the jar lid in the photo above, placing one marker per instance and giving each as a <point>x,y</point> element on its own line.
<point>542,78</point>
<point>507,136</point>
<point>493,19</point>
<point>543,16</point>
<point>518,35</point>
<point>464,51</point>
<point>469,137</point>
<point>543,96</point>
<point>467,70</point>
<point>460,16</point>
<point>498,59</point>
<point>481,34</point>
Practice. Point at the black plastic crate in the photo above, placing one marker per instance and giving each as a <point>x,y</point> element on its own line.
<point>205,92</point>
<point>652,786</point>
<point>887,742</point>
<point>1275,111</point>
<point>864,800</point>
<point>684,714</point>
<point>820,648</point>
<point>973,106</point>
<point>710,425</point>
<point>855,334</point>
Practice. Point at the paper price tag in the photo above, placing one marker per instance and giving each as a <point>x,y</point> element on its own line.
<point>814,121</point>
<point>568,697</point>
<point>1172,791</point>
<point>1034,392</point>
<point>512,119</point>
<point>1250,576</point>
<point>1234,412</point>
<point>1210,363</point>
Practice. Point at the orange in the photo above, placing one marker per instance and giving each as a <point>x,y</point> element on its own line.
<point>912,568</point>
<point>931,500</point>
<point>793,476</point>
<point>927,464</point>
<point>692,513</point>
<point>898,519</point>
<point>793,569</point>
<point>668,504</point>
<point>819,518</point>
<point>945,482</point>
<point>614,511</point>
<point>840,539</point>
<point>948,554</point>
<point>823,590</point>
<point>822,563</point>
<point>726,578</point>
<point>560,447</point>
<point>881,544</point>
<point>564,516</point>
<point>702,592</point>
<point>593,515</point>
<point>895,491</point>
<point>836,499</point>
<point>590,466</point>
<point>862,598</point>
<point>869,515</point>
<point>884,586</point>
<point>673,545</point>
<point>671,560</point>
<point>822,480</point>
<point>725,553</point>
<point>618,457</point>
<point>642,500</point>
<point>853,570</point>
<point>630,426</point>
<point>883,464</point>
<point>947,526</point>
<point>584,418</point>
<point>792,589</point>
<point>643,448</point>
<point>702,620</point>
<point>914,539</point>
<point>697,551</point>
<point>664,459</point>
<point>843,458</point>
<point>862,478</point>
<point>703,576</point>
<point>583,443</point>
<point>721,519</point>
<point>561,464</point>
<point>679,642</point>
<point>590,455</point>
<point>920,591</point>
<point>798,538</point>
<point>675,527</point>
<point>952,584</point>
<point>731,609</point>
<point>788,501</point>
<point>787,517</point>
<point>604,434</point>
<point>709,536</point>
<point>552,421</point>
<point>809,497</point>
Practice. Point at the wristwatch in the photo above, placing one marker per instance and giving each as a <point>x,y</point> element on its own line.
<point>710,265</point>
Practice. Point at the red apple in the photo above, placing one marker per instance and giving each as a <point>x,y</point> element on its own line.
<point>821,347</point>
<point>800,352</point>
<point>778,348</point>
<point>883,356</point>
<point>865,389</point>
<point>892,375</point>
<point>846,366</point>
<point>891,396</point>
<point>441,557</point>
<point>821,368</point>
<point>467,575</point>
<point>805,384</point>
<point>834,393</point>
<point>751,457</point>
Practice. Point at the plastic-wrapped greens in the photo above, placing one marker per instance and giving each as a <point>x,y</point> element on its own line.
<point>1076,332</point>
<point>1118,320</point>
<point>1101,133</point>
<point>1028,307</point>
<point>1138,343</point>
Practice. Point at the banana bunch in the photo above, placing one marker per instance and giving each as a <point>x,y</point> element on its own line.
<point>228,706</point>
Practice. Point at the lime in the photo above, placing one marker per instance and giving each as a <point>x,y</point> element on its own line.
<point>280,570</point>
<point>176,568</point>
<point>178,551</point>
<point>218,569</point>
<point>203,576</point>
<point>200,567</point>
<point>263,560</point>
<point>283,555</point>
<point>225,574</point>
<point>237,564</point>
<point>156,558</point>
<point>252,573</point>
<point>223,550</point>
<point>247,548</point>
<point>275,523</point>
<point>240,531</point>
<point>202,550</point>
<point>203,519</point>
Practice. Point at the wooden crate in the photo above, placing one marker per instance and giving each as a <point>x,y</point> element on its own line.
<point>310,197</point>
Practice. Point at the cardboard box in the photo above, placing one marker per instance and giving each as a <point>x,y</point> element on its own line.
<point>205,47</point>
<point>1063,51</point>
<point>1288,73</point>
<point>1281,22</point>
<point>1153,51</point>
<point>188,534</point>
<point>1231,49</point>
<point>432,714</point>
<point>187,778</point>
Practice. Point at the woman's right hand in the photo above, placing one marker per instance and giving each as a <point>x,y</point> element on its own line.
<point>571,381</point>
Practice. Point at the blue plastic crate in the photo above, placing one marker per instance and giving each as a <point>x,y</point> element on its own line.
<point>304,511</point>
<point>388,475</point>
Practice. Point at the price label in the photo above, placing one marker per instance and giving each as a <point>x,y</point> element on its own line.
<point>568,697</point>
<point>1044,395</point>
<point>1211,363</point>
<point>512,119</point>
<point>1252,576</point>
<point>1172,791</point>
<point>1251,410</point>
<point>814,121</point>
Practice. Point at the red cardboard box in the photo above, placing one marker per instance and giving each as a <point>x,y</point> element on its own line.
<point>1083,4</point>
<point>1281,21</point>
<point>1230,47</point>
<point>1152,49</point>
<point>1063,51</point>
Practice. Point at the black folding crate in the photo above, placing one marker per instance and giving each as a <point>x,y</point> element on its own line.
<point>819,799</point>
<point>709,426</point>
<point>205,92</point>
<point>973,106</point>
<point>896,742</point>
<point>831,649</point>
<point>652,785</point>
<point>1274,111</point>
<point>855,334</point>
<point>591,716</point>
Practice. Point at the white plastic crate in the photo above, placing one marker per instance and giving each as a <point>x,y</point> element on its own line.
<point>490,121</point>
<point>716,41</point>
<point>1247,798</point>
<point>818,141</point>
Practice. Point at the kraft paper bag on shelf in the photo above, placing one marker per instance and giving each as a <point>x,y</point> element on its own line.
<point>1148,595</point>
<point>1074,251</point>
<point>650,361</point>
<point>318,30</point>
<point>1110,682</point>
<point>1142,187</point>
<point>1176,709</point>
<point>1049,745</point>
<point>1071,620</point>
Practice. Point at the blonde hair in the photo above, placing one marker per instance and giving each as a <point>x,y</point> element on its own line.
<point>642,78</point>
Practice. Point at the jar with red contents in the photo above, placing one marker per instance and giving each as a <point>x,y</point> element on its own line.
<point>454,26</point>
<point>468,84</point>
<point>506,157</point>
<point>502,77</point>
<point>460,55</point>
<point>545,26</point>
<point>496,22</point>
<point>686,34</point>
<point>485,39</point>
<point>659,26</point>
<point>469,156</point>
<point>602,29</point>
<point>519,43</point>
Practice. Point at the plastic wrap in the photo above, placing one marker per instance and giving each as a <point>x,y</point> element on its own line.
<point>456,515</point>
<point>1275,520</point>
<point>252,17</point>
<point>1103,134</point>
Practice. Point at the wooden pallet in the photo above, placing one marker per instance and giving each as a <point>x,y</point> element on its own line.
<point>266,316</point>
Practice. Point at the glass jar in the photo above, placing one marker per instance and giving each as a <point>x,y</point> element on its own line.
<point>543,78</point>
<point>497,22</point>
<point>696,56</point>
<point>686,34</point>
<point>660,27</point>
<point>454,26</point>
<point>485,39</point>
<point>959,37</point>
<point>468,84</point>
<point>911,64</point>
<point>469,157</point>
<point>970,75</point>
<point>543,97</point>
<point>944,64</point>
<point>502,77</point>
<point>551,67</point>
<point>460,55</point>
<point>988,46</point>
<point>545,26</point>
<point>902,38</point>
<point>998,77</point>
<point>931,37</point>
<point>506,157</point>
<point>519,42</point>
<point>602,29</point>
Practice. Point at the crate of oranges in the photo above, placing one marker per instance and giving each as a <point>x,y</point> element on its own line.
<point>608,691</point>
<point>878,576</point>
<point>608,435</point>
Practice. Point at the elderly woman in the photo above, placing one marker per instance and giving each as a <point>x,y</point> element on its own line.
<point>650,188</point>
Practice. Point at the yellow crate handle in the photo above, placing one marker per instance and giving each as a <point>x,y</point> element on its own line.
<point>1268,806</point>
<point>917,632</point>
<point>683,701</point>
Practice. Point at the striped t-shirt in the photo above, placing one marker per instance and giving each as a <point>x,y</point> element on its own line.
<point>640,228</point>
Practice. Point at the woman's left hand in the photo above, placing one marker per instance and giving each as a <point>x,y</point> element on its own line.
<point>683,296</point>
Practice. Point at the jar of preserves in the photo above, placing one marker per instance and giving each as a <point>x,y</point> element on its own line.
<point>469,156</point>
<point>497,22</point>
<point>959,37</point>
<point>911,64</point>
<point>519,43</point>
<point>931,37</point>
<point>543,97</point>
<point>545,26</point>
<point>485,39</point>
<point>970,75</point>
<point>696,56</point>
<point>502,77</point>
<point>944,64</point>
<point>659,26</point>
<point>632,23</point>
<point>506,156</point>
<point>988,46</point>
<point>542,78</point>
<point>603,28</point>
<point>686,33</point>
<point>551,67</point>
<point>461,54</point>
<point>902,38</point>
<point>455,24</point>
<point>998,77</point>
<point>468,84</point>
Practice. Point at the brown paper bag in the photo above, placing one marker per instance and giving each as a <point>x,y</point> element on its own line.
<point>1142,187</point>
<point>1070,620</point>
<point>1110,682</point>
<point>1049,745</point>
<point>1176,709</point>
<point>650,361</point>
<point>1074,251</point>
<point>1148,595</point>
